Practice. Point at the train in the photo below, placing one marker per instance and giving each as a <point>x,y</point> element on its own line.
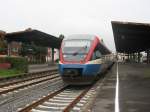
<point>83,58</point>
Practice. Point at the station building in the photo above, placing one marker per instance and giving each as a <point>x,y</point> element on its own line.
<point>30,36</point>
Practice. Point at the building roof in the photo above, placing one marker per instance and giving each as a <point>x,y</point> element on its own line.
<point>34,36</point>
<point>131,37</point>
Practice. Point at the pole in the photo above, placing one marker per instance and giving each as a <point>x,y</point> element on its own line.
<point>52,55</point>
<point>9,49</point>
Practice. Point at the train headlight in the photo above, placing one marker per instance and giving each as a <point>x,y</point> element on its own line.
<point>65,56</point>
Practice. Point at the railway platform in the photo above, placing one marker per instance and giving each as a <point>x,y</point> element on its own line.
<point>42,67</point>
<point>133,89</point>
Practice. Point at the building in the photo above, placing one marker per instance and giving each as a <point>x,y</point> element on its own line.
<point>13,46</point>
<point>47,52</point>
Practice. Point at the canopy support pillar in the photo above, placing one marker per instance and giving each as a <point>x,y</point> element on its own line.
<point>52,55</point>
<point>148,58</point>
<point>9,49</point>
<point>138,57</point>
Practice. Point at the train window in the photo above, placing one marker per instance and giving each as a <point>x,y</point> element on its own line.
<point>79,46</point>
<point>93,56</point>
<point>98,54</point>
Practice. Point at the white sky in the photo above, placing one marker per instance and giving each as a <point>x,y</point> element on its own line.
<point>72,16</point>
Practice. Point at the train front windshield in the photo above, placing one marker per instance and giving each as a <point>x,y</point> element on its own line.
<point>75,50</point>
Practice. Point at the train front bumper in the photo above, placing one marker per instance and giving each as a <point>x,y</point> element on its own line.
<point>83,69</point>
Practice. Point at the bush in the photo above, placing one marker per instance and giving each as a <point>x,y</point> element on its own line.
<point>2,60</point>
<point>18,63</point>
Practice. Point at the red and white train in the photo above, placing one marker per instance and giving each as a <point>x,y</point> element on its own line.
<point>82,58</point>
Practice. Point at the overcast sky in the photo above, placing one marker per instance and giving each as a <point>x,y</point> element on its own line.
<point>72,16</point>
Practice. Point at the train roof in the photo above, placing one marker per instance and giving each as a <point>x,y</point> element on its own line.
<point>80,36</point>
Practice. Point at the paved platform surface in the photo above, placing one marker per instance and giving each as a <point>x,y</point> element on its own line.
<point>134,89</point>
<point>41,67</point>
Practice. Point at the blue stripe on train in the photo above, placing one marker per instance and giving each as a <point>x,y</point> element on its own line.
<point>88,69</point>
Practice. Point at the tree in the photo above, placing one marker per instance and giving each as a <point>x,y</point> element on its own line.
<point>3,44</point>
<point>37,53</point>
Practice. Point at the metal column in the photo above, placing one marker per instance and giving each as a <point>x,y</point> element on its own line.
<point>8,49</point>
<point>148,60</point>
<point>52,55</point>
<point>139,57</point>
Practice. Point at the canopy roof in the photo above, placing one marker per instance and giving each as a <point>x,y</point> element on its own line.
<point>34,36</point>
<point>131,37</point>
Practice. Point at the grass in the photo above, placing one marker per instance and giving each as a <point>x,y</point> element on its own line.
<point>9,73</point>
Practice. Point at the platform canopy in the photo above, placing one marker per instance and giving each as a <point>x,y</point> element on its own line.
<point>34,36</point>
<point>131,37</point>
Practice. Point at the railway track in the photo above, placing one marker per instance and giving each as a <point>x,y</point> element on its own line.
<point>25,77</point>
<point>12,101</point>
<point>65,99</point>
<point>16,85</point>
<point>61,100</point>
